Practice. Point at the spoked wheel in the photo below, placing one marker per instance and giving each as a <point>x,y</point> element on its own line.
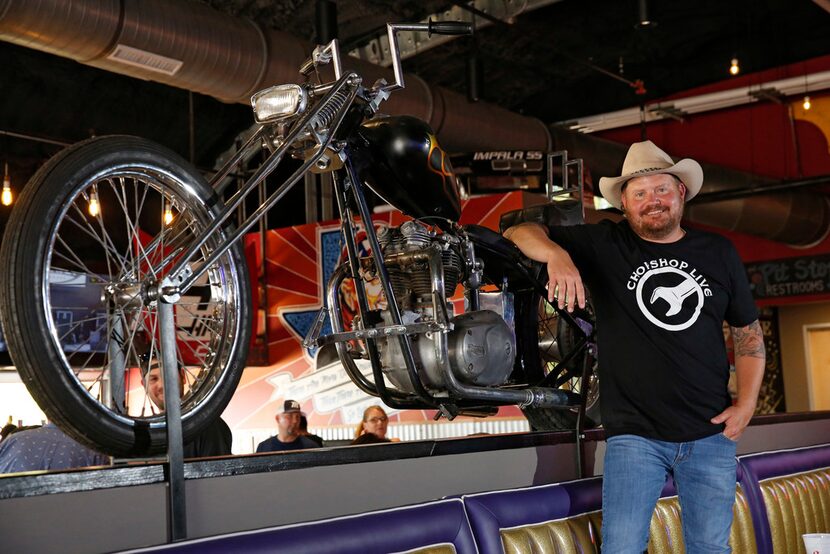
<point>91,234</point>
<point>550,340</point>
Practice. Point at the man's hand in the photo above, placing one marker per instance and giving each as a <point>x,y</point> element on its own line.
<point>564,280</point>
<point>736,419</point>
<point>750,357</point>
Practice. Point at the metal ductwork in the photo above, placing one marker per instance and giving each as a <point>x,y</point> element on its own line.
<point>190,45</point>
<point>793,217</point>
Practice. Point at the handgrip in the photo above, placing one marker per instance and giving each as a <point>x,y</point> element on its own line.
<point>307,67</point>
<point>449,27</point>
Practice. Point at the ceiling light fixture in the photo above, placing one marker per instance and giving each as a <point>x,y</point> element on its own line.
<point>94,207</point>
<point>734,68</point>
<point>643,21</point>
<point>168,213</point>
<point>6,197</point>
<point>806,105</point>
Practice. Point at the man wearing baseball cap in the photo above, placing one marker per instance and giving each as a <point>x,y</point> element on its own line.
<point>288,431</point>
<point>661,292</point>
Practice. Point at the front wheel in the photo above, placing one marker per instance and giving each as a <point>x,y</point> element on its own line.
<point>545,339</point>
<point>92,231</point>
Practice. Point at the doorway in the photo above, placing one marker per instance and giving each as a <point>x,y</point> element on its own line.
<point>817,346</point>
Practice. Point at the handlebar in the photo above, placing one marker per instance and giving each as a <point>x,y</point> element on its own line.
<point>449,27</point>
<point>324,54</point>
<point>436,27</point>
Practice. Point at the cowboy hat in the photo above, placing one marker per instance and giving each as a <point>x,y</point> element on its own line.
<point>644,158</point>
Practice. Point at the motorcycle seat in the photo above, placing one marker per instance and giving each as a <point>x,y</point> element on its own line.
<point>492,242</point>
<point>567,212</point>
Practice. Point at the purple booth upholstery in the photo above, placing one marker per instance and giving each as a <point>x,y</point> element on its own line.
<point>567,517</point>
<point>780,484</point>
<point>490,512</point>
<point>434,527</point>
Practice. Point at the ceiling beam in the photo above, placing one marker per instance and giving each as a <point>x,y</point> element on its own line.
<point>656,111</point>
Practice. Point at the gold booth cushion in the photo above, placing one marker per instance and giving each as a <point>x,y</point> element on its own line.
<point>581,534</point>
<point>797,504</point>
<point>437,549</point>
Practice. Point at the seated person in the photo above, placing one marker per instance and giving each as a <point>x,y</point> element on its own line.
<point>45,447</point>
<point>215,440</point>
<point>7,430</point>
<point>375,422</point>
<point>304,431</point>
<point>288,435</point>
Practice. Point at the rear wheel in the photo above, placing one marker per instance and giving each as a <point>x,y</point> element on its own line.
<point>548,339</point>
<point>94,229</point>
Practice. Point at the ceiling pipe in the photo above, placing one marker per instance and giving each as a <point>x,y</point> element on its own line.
<point>190,45</point>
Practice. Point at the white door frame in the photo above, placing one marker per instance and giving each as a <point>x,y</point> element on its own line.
<point>808,359</point>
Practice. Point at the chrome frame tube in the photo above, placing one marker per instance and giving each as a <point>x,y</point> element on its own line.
<point>383,275</point>
<point>266,169</point>
<point>392,397</point>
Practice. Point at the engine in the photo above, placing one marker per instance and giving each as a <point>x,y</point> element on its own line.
<point>480,348</point>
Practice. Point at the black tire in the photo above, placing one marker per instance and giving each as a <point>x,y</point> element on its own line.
<point>56,258</point>
<point>543,339</point>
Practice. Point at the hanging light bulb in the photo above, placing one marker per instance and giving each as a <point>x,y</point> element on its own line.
<point>168,213</point>
<point>806,105</point>
<point>6,196</point>
<point>734,69</point>
<point>94,207</point>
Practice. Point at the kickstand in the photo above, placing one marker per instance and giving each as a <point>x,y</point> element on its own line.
<point>174,465</point>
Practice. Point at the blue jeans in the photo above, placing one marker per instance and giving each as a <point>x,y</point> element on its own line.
<point>635,472</point>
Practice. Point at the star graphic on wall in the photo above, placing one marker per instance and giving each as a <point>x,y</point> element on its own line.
<point>331,244</point>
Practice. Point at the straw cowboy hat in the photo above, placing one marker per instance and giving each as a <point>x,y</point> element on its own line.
<point>644,158</point>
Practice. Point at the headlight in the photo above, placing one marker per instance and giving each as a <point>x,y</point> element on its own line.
<point>275,103</point>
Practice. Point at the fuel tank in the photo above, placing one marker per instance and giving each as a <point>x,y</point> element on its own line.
<point>400,159</point>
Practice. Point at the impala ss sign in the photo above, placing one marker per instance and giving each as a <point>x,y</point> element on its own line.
<point>807,275</point>
<point>501,170</point>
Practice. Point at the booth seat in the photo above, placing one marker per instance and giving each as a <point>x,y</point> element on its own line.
<point>779,496</point>
<point>788,492</point>
<point>567,518</point>
<point>439,527</point>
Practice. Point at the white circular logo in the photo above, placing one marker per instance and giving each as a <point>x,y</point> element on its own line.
<point>667,297</point>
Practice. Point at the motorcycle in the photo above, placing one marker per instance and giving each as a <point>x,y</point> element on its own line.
<point>119,254</point>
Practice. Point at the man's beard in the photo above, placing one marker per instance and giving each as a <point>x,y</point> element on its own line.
<point>656,230</point>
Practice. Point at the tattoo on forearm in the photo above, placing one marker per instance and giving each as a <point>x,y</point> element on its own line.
<point>749,340</point>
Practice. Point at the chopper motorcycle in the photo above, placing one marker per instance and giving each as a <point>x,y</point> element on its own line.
<point>119,253</point>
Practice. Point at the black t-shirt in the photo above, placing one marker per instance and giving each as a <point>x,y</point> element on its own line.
<point>273,444</point>
<point>215,440</point>
<point>660,309</point>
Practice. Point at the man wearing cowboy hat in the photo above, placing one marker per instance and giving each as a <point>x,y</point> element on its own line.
<point>661,293</point>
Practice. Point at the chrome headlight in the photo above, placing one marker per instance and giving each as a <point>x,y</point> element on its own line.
<point>279,102</point>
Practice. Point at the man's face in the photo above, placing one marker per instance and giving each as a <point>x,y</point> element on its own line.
<point>654,205</point>
<point>155,387</point>
<point>288,424</point>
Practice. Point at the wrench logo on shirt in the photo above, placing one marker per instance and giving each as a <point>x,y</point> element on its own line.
<point>669,296</point>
